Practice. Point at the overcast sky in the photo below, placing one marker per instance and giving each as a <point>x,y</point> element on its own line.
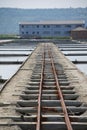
<point>43,3</point>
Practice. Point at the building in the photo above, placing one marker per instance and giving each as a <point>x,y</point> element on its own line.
<point>79,33</point>
<point>48,28</point>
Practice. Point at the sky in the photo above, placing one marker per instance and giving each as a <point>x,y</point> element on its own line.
<point>31,4</point>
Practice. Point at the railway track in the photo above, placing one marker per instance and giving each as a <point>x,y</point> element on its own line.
<point>48,101</point>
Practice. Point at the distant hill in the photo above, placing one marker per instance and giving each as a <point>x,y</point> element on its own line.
<point>10,17</point>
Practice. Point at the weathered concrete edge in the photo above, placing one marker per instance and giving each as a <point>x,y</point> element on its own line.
<point>74,73</point>
<point>15,72</point>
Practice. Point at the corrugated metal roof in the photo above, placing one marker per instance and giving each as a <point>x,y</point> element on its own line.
<point>80,29</point>
<point>53,22</point>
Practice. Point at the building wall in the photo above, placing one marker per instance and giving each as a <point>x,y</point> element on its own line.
<point>79,34</point>
<point>42,30</point>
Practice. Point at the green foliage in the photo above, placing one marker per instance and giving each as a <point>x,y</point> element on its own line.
<point>56,37</point>
<point>8,36</point>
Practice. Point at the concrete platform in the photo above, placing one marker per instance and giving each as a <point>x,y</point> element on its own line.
<point>14,89</point>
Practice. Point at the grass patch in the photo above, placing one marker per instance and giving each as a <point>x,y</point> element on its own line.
<point>56,38</point>
<point>13,36</point>
<point>8,36</point>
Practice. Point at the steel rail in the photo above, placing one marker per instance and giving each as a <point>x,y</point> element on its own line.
<point>38,124</point>
<point>67,120</point>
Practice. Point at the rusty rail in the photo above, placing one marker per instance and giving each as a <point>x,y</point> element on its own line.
<point>47,100</point>
<point>67,120</point>
<point>38,125</point>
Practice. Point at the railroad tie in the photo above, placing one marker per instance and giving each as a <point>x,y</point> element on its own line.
<point>48,100</point>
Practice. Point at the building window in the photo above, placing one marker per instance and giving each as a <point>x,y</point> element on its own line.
<point>33,32</point>
<point>37,32</point>
<point>44,26</point>
<point>67,32</point>
<point>57,32</point>
<point>46,32</point>
<point>22,32</point>
<point>58,26</point>
<point>48,26</point>
<point>37,26</point>
<point>69,26</point>
<point>22,26</point>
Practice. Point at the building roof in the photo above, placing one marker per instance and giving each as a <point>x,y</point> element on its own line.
<point>54,22</point>
<point>79,29</point>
